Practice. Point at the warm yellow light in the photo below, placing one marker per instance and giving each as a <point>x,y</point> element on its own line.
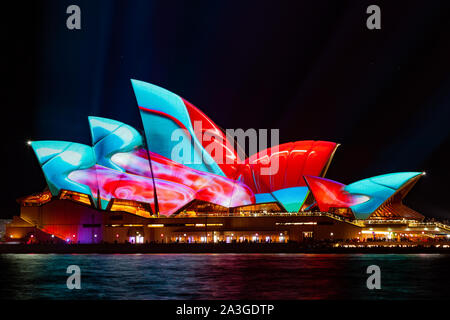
<point>295,223</point>
<point>370,232</point>
<point>155,225</point>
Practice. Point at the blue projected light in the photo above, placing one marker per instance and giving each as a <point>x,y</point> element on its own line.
<point>264,198</point>
<point>395,180</point>
<point>163,114</point>
<point>110,137</point>
<point>378,189</point>
<point>58,159</point>
<point>291,198</point>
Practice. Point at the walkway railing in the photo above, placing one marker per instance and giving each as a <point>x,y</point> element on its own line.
<point>275,214</point>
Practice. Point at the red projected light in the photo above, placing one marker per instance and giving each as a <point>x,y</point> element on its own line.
<point>331,194</point>
<point>289,162</point>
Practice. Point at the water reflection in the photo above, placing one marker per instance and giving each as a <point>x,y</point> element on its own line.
<point>224,276</point>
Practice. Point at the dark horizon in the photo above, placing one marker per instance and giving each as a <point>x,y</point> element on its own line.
<point>313,70</point>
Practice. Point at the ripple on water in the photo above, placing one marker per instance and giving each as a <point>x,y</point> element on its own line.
<point>224,276</point>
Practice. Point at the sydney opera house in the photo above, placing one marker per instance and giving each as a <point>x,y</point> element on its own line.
<point>128,187</point>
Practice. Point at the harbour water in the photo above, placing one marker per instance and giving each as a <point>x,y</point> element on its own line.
<point>225,276</point>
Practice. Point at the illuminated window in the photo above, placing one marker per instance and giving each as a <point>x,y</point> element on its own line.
<point>202,207</point>
<point>260,208</point>
<point>75,196</point>
<point>343,212</point>
<point>393,208</point>
<point>307,234</point>
<point>37,199</point>
<point>138,208</point>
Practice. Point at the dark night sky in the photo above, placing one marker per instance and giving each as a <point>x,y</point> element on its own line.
<point>310,68</point>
